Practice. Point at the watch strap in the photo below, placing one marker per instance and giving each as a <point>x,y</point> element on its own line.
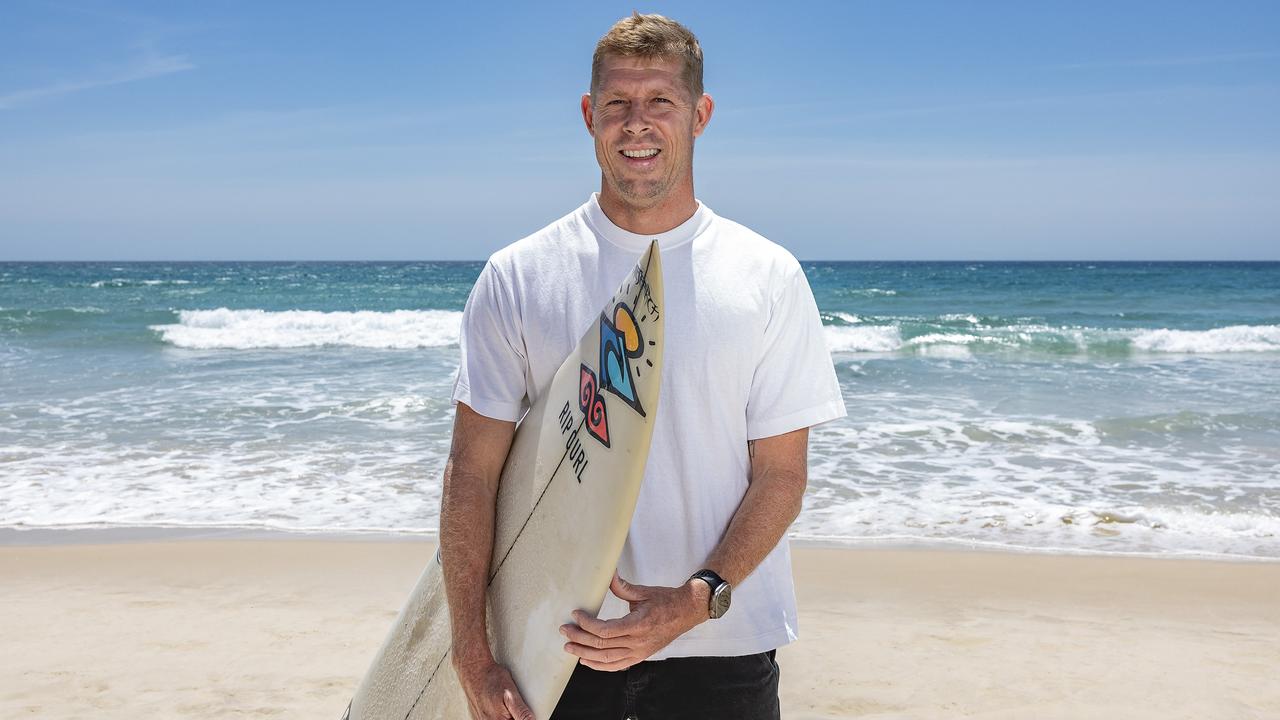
<point>710,577</point>
<point>718,601</point>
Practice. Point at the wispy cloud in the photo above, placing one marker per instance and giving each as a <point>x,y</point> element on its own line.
<point>1183,61</point>
<point>151,67</point>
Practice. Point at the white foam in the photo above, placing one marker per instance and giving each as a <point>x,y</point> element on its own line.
<point>1236,338</point>
<point>126,282</point>
<point>254,329</point>
<point>872,292</point>
<point>953,346</point>
<point>941,471</point>
<point>947,352</point>
<point>945,339</point>
<point>312,455</point>
<point>1029,337</point>
<point>878,338</point>
<point>394,406</point>
<point>79,309</point>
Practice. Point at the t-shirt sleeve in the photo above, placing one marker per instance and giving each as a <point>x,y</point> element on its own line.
<point>492,369</point>
<point>795,384</point>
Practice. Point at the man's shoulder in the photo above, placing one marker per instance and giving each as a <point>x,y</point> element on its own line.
<point>756,252</point>
<point>549,244</point>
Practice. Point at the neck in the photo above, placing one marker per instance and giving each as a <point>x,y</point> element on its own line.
<point>668,213</point>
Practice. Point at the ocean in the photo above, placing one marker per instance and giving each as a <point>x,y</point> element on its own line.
<point>1064,407</point>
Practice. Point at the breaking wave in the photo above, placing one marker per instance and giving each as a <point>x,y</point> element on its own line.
<point>1236,338</point>
<point>849,334</point>
<point>258,329</point>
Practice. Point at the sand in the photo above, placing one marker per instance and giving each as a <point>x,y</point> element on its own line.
<point>284,628</point>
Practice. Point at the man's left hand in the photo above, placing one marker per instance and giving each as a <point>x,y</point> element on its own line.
<point>658,616</point>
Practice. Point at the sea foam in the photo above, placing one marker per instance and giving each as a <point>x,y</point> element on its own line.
<point>131,282</point>
<point>257,329</point>
<point>868,338</point>
<point>926,335</point>
<point>1236,338</point>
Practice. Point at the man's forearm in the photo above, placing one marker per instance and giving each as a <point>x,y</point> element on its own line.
<point>772,502</point>
<point>767,510</point>
<point>466,547</point>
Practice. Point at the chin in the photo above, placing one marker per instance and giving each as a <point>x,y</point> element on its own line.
<point>641,193</point>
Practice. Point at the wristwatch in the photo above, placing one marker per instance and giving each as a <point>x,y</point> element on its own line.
<point>721,593</point>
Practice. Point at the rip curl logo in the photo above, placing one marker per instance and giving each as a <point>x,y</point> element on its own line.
<point>592,406</point>
<point>620,341</point>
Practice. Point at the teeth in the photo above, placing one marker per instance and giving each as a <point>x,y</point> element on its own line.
<point>640,153</point>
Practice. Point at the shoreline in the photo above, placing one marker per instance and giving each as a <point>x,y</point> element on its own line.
<point>200,628</point>
<point>114,535</point>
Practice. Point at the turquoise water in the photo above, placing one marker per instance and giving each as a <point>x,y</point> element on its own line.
<point>1095,407</point>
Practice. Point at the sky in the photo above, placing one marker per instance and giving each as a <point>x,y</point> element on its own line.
<point>857,130</point>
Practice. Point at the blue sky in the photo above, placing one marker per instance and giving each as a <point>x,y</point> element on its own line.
<point>843,130</point>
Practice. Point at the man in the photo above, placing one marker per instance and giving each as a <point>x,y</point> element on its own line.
<point>745,374</point>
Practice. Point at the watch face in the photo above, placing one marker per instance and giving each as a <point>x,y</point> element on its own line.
<point>720,600</point>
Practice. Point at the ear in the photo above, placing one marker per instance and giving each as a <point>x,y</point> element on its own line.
<point>587,115</point>
<point>702,114</point>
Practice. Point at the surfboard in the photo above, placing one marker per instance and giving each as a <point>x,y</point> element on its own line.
<point>565,500</point>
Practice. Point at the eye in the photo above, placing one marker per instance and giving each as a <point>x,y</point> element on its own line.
<point>662,99</point>
<point>615,102</point>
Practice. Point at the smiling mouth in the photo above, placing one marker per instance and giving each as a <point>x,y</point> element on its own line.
<point>640,154</point>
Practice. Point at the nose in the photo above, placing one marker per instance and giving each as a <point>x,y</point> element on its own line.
<point>635,123</point>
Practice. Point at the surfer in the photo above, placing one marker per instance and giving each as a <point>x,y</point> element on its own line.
<point>703,595</point>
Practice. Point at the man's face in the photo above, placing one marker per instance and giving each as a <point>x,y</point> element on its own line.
<point>644,122</point>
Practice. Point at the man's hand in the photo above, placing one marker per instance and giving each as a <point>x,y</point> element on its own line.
<point>658,616</point>
<point>492,694</point>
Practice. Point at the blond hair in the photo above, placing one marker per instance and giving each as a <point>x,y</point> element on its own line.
<point>651,36</point>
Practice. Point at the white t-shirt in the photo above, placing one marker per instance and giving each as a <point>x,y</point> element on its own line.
<point>744,358</point>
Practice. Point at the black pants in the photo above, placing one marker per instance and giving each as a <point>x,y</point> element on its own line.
<point>698,688</point>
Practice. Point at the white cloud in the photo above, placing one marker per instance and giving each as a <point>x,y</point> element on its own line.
<point>149,68</point>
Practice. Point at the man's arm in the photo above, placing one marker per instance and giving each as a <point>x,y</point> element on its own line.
<point>779,473</point>
<point>480,446</point>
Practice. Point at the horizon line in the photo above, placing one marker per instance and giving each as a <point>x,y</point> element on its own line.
<point>801,260</point>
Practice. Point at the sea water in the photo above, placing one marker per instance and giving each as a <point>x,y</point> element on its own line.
<point>1065,407</point>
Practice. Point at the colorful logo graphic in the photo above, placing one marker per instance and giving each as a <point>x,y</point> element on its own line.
<point>620,341</point>
<point>592,406</point>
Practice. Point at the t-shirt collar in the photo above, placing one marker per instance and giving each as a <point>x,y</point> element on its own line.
<point>678,235</point>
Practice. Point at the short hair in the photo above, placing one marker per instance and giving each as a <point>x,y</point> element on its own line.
<point>651,36</point>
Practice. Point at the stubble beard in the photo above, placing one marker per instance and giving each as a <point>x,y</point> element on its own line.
<point>641,193</point>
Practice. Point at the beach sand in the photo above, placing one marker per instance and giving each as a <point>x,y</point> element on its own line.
<point>284,628</point>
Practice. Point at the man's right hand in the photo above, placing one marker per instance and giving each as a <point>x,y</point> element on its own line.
<point>492,693</point>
